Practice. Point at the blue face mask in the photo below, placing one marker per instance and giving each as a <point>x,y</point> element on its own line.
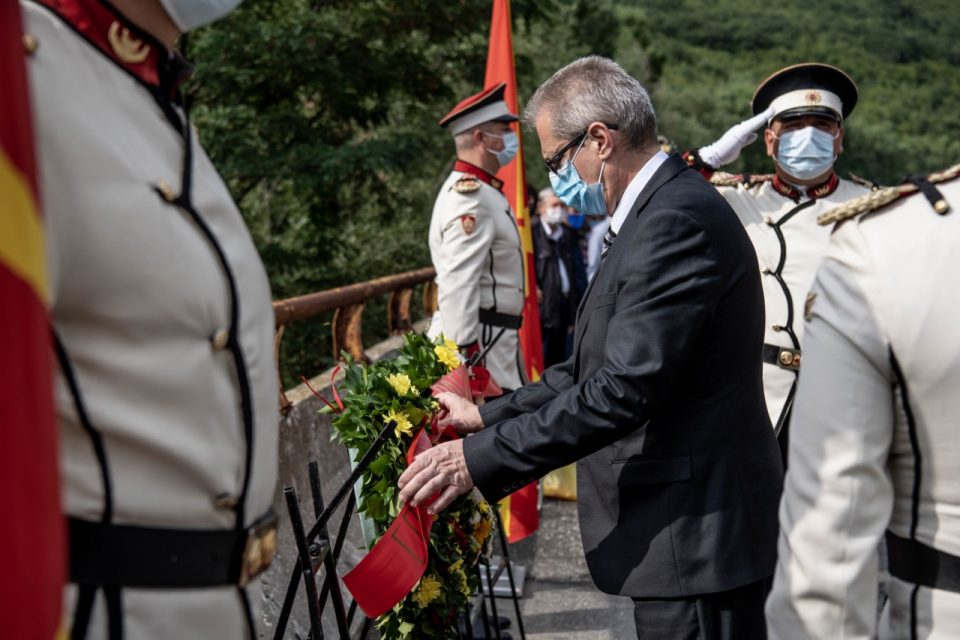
<point>575,220</point>
<point>510,147</point>
<point>574,191</point>
<point>806,153</point>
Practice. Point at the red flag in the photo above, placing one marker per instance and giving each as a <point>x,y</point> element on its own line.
<point>387,574</point>
<point>519,511</point>
<point>32,537</point>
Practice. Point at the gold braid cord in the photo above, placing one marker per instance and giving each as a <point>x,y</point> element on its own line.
<point>881,198</point>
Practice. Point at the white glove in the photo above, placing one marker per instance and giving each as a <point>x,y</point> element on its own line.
<point>728,147</point>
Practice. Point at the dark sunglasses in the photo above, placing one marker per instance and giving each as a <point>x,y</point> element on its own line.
<point>553,164</point>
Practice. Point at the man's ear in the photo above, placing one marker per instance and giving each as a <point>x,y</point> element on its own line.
<point>838,143</point>
<point>770,140</point>
<point>477,136</point>
<point>600,138</point>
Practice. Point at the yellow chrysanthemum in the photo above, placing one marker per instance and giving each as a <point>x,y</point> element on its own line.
<point>449,357</point>
<point>458,578</point>
<point>484,506</point>
<point>482,532</point>
<point>400,383</point>
<point>404,426</point>
<point>450,344</point>
<point>427,591</point>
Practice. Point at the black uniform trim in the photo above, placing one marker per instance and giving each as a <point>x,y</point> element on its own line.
<point>233,343</point>
<point>783,420</point>
<point>86,594</point>
<point>917,473</point>
<point>247,612</point>
<point>493,280</point>
<point>96,439</point>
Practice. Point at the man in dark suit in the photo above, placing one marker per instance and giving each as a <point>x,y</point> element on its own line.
<point>662,402</point>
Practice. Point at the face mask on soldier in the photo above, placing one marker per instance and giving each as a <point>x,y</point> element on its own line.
<point>510,147</point>
<point>806,153</point>
<point>190,14</point>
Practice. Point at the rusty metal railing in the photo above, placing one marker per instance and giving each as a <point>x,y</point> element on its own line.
<point>347,304</point>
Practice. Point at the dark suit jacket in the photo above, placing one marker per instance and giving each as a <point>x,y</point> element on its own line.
<point>662,402</point>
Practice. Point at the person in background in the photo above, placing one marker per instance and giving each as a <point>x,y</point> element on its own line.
<point>875,447</point>
<point>474,240</point>
<point>561,276</point>
<point>162,325</point>
<point>804,108</point>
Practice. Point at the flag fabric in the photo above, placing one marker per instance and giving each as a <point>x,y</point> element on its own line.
<point>519,510</point>
<point>501,68</point>
<point>32,537</point>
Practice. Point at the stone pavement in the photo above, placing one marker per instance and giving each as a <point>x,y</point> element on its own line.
<point>560,601</point>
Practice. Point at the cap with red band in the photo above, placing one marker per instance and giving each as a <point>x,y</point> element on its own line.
<point>486,106</point>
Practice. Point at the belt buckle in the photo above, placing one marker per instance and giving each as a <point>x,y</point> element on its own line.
<point>259,548</point>
<point>788,359</point>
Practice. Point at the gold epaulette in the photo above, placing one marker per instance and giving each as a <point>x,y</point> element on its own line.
<point>882,197</point>
<point>466,184</point>
<point>723,179</point>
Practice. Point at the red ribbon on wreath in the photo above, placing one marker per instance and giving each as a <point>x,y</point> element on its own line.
<point>399,558</point>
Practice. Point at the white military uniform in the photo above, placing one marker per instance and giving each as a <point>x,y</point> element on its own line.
<point>163,311</point>
<point>781,223</point>
<point>875,426</point>
<point>475,247</point>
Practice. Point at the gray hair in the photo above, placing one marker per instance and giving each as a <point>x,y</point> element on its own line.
<point>546,192</point>
<point>595,89</point>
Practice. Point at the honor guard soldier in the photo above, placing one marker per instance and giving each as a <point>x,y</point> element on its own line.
<point>875,447</point>
<point>163,330</point>
<point>475,243</point>
<point>804,108</point>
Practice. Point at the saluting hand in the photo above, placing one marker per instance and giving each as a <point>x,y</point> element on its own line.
<point>441,468</point>
<point>728,147</point>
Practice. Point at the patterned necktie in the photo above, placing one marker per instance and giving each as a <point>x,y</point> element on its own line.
<point>608,237</point>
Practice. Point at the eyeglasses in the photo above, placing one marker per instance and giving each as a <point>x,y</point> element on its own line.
<point>553,164</point>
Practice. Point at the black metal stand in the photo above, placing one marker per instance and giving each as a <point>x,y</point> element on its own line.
<point>316,550</point>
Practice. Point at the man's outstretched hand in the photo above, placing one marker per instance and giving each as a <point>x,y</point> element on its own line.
<point>461,414</point>
<point>441,468</point>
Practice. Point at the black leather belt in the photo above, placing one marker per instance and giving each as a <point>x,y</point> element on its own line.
<point>131,556</point>
<point>783,357</point>
<point>496,319</point>
<point>915,562</point>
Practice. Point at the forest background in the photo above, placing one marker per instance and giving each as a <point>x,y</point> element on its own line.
<point>322,116</point>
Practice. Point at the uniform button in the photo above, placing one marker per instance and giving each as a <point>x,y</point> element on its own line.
<point>941,206</point>
<point>765,271</point>
<point>768,220</point>
<point>220,339</point>
<point>225,501</point>
<point>786,358</point>
<point>777,327</point>
<point>30,44</point>
<point>166,191</point>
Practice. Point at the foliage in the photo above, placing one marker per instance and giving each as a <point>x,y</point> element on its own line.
<point>398,390</point>
<point>322,115</point>
<point>903,56</point>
